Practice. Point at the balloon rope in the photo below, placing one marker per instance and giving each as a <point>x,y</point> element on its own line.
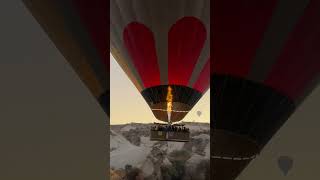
<point>234,158</point>
<point>167,110</point>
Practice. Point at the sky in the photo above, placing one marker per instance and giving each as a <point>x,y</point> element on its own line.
<point>127,105</point>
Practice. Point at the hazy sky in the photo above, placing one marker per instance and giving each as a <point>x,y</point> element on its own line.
<point>127,105</point>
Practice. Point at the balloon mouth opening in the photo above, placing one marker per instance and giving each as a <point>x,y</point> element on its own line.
<point>241,146</point>
<point>165,110</point>
<point>171,103</point>
<point>232,151</point>
<point>169,114</point>
<point>177,113</point>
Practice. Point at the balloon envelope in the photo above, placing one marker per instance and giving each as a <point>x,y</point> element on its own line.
<point>265,62</point>
<point>285,164</point>
<point>78,29</point>
<point>163,46</point>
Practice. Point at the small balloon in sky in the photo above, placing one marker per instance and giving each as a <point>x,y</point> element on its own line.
<point>199,113</point>
<point>285,164</point>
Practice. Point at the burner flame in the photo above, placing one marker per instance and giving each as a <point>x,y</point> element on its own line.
<point>169,103</point>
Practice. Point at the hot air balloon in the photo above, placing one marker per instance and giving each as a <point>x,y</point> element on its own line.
<point>266,60</point>
<point>199,113</point>
<point>163,47</point>
<point>79,30</point>
<point>285,164</point>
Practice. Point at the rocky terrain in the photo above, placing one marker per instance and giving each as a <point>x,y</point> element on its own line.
<point>133,154</point>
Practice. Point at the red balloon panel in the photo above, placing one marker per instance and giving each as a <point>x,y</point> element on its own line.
<point>237,32</point>
<point>186,40</point>
<point>94,16</point>
<point>299,61</point>
<point>140,44</point>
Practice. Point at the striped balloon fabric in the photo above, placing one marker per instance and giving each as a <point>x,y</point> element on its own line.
<point>265,61</point>
<point>164,45</point>
<point>79,30</point>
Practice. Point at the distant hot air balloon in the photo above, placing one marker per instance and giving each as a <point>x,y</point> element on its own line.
<point>285,164</point>
<point>79,30</point>
<point>163,46</point>
<point>266,60</point>
<point>199,113</point>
